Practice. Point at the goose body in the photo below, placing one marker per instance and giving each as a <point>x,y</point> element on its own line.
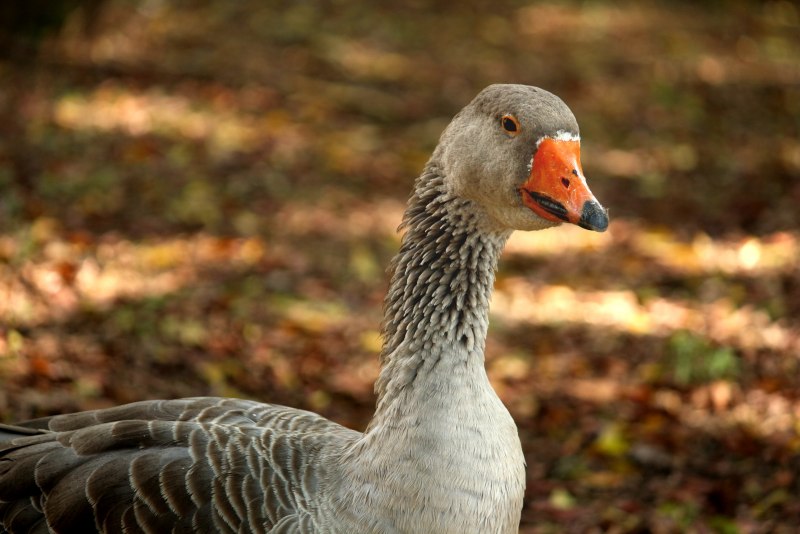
<point>441,454</point>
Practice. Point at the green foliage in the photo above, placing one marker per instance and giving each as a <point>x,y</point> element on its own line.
<point>724,525</point>
<point>695,360</point>
<point>682,514</point>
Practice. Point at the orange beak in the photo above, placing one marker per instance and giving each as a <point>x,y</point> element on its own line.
<point>556,189</point>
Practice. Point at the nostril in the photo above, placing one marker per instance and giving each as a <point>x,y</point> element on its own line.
<point>565,181</point>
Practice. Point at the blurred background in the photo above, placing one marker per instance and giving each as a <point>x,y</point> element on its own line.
<point>200,197</point>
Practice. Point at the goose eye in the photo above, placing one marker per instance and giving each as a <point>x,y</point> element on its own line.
<point>510,124</point>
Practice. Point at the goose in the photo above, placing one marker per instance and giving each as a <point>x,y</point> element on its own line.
<point>441,454</point>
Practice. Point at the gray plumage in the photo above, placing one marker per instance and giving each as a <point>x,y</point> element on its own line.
<point>441,454</point>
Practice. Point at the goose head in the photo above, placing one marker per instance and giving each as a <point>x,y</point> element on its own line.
<point>515,152</point>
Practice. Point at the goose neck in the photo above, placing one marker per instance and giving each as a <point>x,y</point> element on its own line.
<point>436,309</point>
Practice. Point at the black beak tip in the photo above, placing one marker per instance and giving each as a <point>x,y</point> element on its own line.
<point>593,217</point>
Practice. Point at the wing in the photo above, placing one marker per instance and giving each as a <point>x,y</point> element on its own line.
<point>9,432</point>
<point>189,465</point>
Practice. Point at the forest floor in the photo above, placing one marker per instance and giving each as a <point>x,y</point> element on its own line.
<point>202,199</point>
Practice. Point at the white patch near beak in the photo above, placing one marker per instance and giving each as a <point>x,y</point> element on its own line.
<point>561,135</point>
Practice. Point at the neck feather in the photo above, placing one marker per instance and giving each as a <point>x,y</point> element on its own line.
<point>437,305</point>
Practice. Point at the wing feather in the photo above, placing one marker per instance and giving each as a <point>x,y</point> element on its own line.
<point>190,465</point>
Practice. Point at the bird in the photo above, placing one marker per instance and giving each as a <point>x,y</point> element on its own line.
<point>441,454</point>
